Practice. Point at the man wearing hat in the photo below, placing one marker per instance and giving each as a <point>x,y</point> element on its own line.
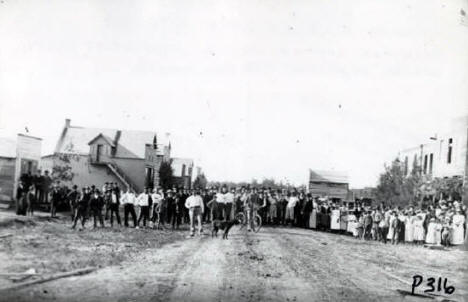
<point>73,198</point>
<point>196,209</point>
<point>95,204</point>
<point>220,198</point>
<point>82,207</point>
<point>129,200</point>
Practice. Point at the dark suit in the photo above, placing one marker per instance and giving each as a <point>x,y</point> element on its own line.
<point>95,205</point>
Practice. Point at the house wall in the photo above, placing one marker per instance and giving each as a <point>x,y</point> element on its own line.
<point>133,169</point>
<point>7,178</point>
<point>84,173</point>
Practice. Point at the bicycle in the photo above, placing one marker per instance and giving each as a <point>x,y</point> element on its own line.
<point>242,218</point>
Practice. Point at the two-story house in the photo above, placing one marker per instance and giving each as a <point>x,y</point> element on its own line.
<point>93,156</point>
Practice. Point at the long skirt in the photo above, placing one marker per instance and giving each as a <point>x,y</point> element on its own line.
<point>457,234</point>
<point>335,220</point>
<point>343,222</point>
<point>272,212</point>
<point>409,230</point>
<point>418,234</point>
<point>351,227</point>
<point>431,233</point>
<point>290,213</point>
<point>313,219</point>
<point>391,233</point>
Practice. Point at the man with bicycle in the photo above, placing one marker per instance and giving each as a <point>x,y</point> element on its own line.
<point>252,204</point>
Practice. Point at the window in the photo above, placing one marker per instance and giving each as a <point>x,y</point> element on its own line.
<point>183,170</point>
<point>449,153</point>
<point>431,161</point>
<point>425,164</point>
<point>406,165</point>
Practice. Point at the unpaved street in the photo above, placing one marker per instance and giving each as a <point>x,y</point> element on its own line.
<point>274,265</point>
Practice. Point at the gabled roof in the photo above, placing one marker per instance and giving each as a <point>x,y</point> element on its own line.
<point>177,164</point>
<point>129,143</point>
<point>328,176</point>
<point>106,138</point>
<point>7,147</point>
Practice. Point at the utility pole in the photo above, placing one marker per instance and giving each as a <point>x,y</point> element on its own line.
<point>465,187</point>
<point>465,176</point>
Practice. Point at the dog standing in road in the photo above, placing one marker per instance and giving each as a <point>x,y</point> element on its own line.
<point>222,225</point>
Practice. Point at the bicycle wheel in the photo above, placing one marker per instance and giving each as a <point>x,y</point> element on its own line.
<point>241,218</point>
<point>257,223</point>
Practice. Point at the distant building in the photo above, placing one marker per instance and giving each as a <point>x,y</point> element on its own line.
<point>183,170</point>
<point>329,184</point>
<point>367,193</point>
<point>86,156</point>
<point>17,157</point>
<point>443,156</point>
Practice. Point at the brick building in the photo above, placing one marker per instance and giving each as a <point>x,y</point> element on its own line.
<point>183,172</point>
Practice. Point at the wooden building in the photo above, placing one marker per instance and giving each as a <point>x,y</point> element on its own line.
<point>331,184</point>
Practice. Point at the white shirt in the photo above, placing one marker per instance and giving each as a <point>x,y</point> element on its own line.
<point>220,198</point>
<point>156,198</point>
<point>143,200</point>
<point>114,198</point>
<point>129,198</point>
<point>194,201</point>
<point>229,197</point>
<point>292,201</point>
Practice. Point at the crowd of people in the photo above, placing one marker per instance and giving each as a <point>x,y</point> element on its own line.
<point>440,223</point>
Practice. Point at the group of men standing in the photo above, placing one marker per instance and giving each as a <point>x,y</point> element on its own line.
<point>32,188</point>
<point>151,207</point>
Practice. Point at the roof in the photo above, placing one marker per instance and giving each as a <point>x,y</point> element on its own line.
<point>328,176</point>
<point>129,143</point>
<point>7,147</point>
<point>106,138</point>
<point>177,164</point>
<point>30,136</point>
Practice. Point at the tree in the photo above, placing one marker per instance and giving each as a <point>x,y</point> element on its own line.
<point>166,175</point>
<point>391,185</point>
<point>62,168</point>
<point>412,183</point>
<point>448,188</point>
<point>200,182</point>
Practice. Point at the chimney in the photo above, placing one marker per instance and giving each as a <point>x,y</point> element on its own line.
<point>117,137</point>
<point>67,123</point>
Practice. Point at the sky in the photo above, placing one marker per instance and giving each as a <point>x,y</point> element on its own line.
<point>248,89</point>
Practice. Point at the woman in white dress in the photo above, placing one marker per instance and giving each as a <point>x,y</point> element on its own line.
<point>343,219</point>
<point>352,224</point>
<point>418,232</point>
<point>335,219</point>
<point>458,229</point>
<point>313,216</point>
<point>409,228</point>
<point>438,232</point>
<point>431,232</point>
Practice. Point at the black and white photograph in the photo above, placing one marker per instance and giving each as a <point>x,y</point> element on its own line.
<point>233,150</point>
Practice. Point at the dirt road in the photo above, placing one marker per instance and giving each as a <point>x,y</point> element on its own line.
<point>274,265</point>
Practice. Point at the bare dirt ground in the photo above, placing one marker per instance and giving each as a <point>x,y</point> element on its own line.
<point>277,264</point>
